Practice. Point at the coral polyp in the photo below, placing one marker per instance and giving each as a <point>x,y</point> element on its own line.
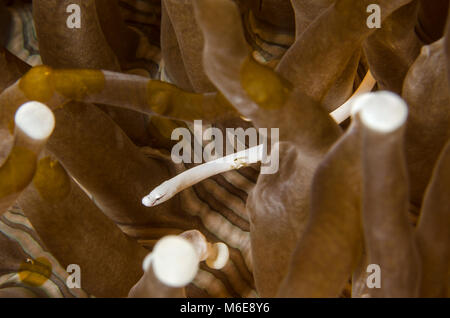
<point>350,100</point>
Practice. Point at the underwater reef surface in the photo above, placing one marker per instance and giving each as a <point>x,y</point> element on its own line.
<point>92,91</point>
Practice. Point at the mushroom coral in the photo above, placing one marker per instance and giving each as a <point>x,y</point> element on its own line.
<point>363,176</point>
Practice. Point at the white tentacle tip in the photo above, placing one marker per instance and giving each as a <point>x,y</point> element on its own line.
<point>221,256</point>
<point>36,120</point>
<point>147,262</point>
<point>382,111</point>
<point>174,261</point>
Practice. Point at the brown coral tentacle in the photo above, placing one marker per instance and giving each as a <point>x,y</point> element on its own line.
<point>432,232</point>
<point>136,93</point>
<point>397,42</point>
<point>33,124</point>
<point>173,65</point>
<point>431,20</point>
<point>426,92</point>
<point>105,162</point>
<point>330,246</point>
<point>123,40</point>
<point>333,37</point>
<point>388,233</point>
<point>12,68</point>
<point>77,232</point>
<point>190,42</point>
<point>64,47</point>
